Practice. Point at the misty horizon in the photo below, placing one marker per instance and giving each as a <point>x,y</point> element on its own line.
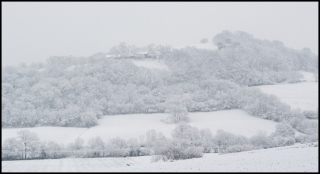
<point>32,31</point>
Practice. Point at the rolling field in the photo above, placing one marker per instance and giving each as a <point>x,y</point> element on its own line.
<point>134,125</point>
<point>303,95</point>
<point>296,158</point>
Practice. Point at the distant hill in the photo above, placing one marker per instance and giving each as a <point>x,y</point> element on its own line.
<point>77,91</point>
<point>208,46</point>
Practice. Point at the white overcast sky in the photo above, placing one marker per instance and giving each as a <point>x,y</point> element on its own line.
<point>34,31</point>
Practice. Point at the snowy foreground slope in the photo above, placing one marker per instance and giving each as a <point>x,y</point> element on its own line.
<point>296,158</point>
<point>303,95</point>
<point>133,125</point>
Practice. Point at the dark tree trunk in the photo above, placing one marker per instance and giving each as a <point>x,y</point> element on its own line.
<point>25,150</point>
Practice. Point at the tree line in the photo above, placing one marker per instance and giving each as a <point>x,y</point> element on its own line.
<point>186,142</point>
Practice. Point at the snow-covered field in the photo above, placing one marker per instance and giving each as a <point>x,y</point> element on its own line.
<point>303,95</point>
<point>134,125</point>
<point>307,76</point>
<point>152,64</point>
<point>296,158</point>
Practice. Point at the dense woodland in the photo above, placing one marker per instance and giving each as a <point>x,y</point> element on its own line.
<point>75,92</point>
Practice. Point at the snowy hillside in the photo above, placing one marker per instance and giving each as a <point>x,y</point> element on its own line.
<point>209,46</point>
<point>302,95</point>
<point>296,158</point>
<point>151,64</point>
<point>134,125</point>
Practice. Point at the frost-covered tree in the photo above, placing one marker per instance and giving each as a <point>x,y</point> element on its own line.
<point>117,147</point>
<point>187,133</point>
<point>29,140</point>
<point>223,139</point>
<point>259,140</point>
<point>12,149</point>
<point>97,146</point>
<point>54,150</point>
<point>177,110</point>
<point>284,129</point>
<point>124,50</point>
<point>151,137</point>
<point>204,40</point>
<point>88,119</point>
<point>207,142</point>
<point>78,144</point>
<point>134,147</point>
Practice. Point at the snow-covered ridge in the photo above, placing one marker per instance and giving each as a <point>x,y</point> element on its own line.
<point>208,46</point>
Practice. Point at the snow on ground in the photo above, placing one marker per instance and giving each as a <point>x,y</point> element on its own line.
<point>234,121</point>
<point>307,76</point>
<point>209,46</point>
<point>296,158</point>
<point>136,125</point>
<point>152,64</point>
<point>302,95</point>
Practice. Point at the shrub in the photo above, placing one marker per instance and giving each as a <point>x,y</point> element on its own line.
<point>192,152</point>
<point>156,158</point>
<point>259,140</point>
<point>278,141</point>
<point>308,126</point>
<point>284,129</point>
<point>239,148</point>
<point>178,149</point>
<point>306,138</point>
